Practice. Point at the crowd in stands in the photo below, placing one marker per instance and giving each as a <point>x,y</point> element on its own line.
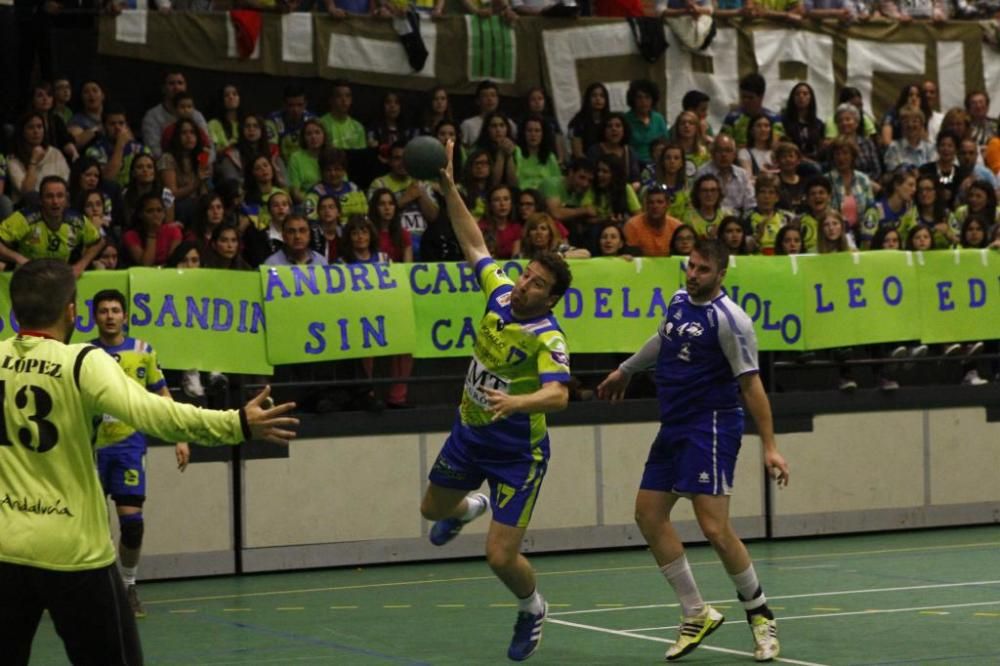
<point>224,183</point>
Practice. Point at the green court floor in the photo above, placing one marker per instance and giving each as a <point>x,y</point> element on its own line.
<point>928,597</point>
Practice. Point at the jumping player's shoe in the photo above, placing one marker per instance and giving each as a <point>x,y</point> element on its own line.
<point>527,634</point>
<point>445,530</point>
<point>134,603</point>
<point>765,638</point>
<point>693,631</point>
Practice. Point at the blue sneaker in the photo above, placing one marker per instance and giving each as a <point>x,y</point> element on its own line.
<point>445,530</point>
<point>527,634</point>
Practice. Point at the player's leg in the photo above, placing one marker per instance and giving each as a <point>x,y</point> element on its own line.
<point>128,490</point>
<point>20,611</point>
<point>448,500</point>
<point>91,614</point>
<point>653,505</point>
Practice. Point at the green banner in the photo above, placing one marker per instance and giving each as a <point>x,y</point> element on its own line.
<point>447,306</point>
<point>320,313</point>
<point>959,295</point>
<point>855,298</point>
<point>205,319</point>
<point>769,289</point>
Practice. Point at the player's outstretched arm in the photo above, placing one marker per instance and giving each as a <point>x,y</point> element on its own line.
<point>267,421</point>
<point>760,410</point>
<point>470,238</point>
<point>614,385</point>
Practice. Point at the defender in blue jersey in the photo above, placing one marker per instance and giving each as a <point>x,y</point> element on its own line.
<point>705,356</point>
<point>518,372</point>
<point>121,462</point>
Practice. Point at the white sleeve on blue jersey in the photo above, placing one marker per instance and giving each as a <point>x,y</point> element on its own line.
<point>737,337</point>
<point>642,359</point>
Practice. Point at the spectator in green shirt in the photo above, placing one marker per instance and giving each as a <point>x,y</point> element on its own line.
<point>343,131</point>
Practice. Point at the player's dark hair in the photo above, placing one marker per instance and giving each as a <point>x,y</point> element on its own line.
<point>692,99</point>
<point>40,291</point>
<point>714,250</point>
<point>296,217</point>
<point>753,83</point>
<point>559,269</point>
<point>109,295</point>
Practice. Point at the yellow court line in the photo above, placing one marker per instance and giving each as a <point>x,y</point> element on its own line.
<point>609,605</point>
<point>183,610</point>
<point>935,613</point>
<point>290,608</point>
<point>236,610</point>
<point>987,614</point>
<point>450,605</point>
<point>397,605</point>
<point>569,572</point>
<point>343,607</point>
<point>503,605</point>
<point>826,609</point>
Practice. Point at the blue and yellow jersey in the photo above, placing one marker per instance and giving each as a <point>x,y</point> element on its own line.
<point>138,360</point>
<point>510,355</point>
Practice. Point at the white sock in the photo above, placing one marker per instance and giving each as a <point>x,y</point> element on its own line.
<point>534,603</point>
<point>128,575</point>
<point>475,506</point>
<point>748,588</point>
<point>678,574</point>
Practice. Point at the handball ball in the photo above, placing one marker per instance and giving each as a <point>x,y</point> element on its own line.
<point>424,157</point>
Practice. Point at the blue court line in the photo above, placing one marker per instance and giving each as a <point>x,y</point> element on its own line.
<point>309,640</point>
<point>926,660</point>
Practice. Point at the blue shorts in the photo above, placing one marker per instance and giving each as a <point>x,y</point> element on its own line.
<point>514,474</point>
<point>122,468</point>
<point>696,457</point>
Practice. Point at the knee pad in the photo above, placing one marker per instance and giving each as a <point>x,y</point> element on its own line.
<point>131,527</point>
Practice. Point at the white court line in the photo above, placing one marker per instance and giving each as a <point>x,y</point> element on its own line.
<point>872,611</point>
<point>626,634</point>
<point>809,595</point>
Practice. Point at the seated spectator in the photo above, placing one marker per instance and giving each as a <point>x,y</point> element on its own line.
<point>734,236</point>
<point>210,214</point>
<point>437,108</point>
<point>56,133</point>
<point>670,173</point>
<point>904,12</point>
<point>737,123</point>
<point>107,260</point>
<point>682,242</point>
<point>819,192</point>
<point>617,140</point>
<point>968,161</point>
<point>144,178</point>
<point>536,103</point>
<point>911,149</point>
<point>645,123</point>
<point>328,218</point>
<point>496,138</point>
<point>185,169</point>
<point>303,167</point>
<point>564,198</point>
<point>530,202</point>
<point>284,126</point>
<point>946,170</point>
<point>541,234</point>
<point>415,199</point>
<point>394,240</point>
<point>958,121</point>
<point>62,93</point>
<point>652,230</point>
<point>765,220</point>
<point>911,96</point>
<point>697,103</point>
<point>295,246</point>
<point>801,122</point>
<point>488,101</point>
<point>263,238</point>
<point>225,249</point>
<point>867,161</point>
<point>933,214</point>
<point>49,231</point>
<point>165,113</point>
<point>852,192</point>
<point>737,190</point>
<point>535,156</point>
<point>980,204</point>
<point>887,238</point>
<point>851,95</point>
<point>116,147</point>
<point>705,210</point>
<point>500,232</point>
<point>895,209</point>
<point>611,243</point>
<point>91,204</point>
<point>33,159</point>
<point>977,105</point>
<point>934,103</point>
<point>86,124</point>
<point>791,183</point>
<point>756,157</point>
<point>611,195</point>
<point>389,127</point>
<point>833,236</point>
<point>334,182</point>
<point>185,255</point>
<point>973,235</point>
<point>85,177</point>
<point>475,182</point>
<point>686,134</point>
<point>919,239</point>
<point>343,131</point>
<point>252,143</point>
<point>445,131</point>
<point>184,109</point>
<point>224,128</point>
<point>789,241</point>
<point>361,244</point>
<point>151,239</point>
<point>260,187</point>
<point>586,128</point>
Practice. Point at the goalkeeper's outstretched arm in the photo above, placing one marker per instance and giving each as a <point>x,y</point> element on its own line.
<point>470,238</point>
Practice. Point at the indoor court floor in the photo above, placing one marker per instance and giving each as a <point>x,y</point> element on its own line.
<point>922,597</point>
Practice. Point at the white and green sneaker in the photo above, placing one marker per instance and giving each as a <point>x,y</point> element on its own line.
<point>765,638</point>
<point>693,630</point>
